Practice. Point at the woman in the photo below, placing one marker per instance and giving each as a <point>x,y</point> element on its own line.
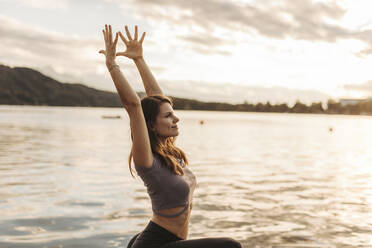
<point>161,165</point>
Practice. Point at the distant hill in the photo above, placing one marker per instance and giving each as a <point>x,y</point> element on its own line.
<point>25,86</point>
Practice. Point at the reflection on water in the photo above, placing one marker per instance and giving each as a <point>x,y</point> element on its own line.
<point>267,180</point>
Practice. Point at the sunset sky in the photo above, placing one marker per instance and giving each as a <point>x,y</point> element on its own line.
<point>211,50</point>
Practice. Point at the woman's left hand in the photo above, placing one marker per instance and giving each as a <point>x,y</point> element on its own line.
<point>134,46</point>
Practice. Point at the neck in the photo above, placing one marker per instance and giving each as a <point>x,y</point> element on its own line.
<point>162,140</point>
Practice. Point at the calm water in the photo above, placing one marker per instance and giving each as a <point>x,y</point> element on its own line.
<point>266,180</point>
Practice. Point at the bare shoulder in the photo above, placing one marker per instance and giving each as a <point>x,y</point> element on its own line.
<point>146,166</point>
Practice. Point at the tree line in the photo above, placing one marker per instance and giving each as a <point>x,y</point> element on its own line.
<point>333,107</point>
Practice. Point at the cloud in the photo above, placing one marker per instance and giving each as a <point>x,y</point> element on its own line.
<point>65,58</point>
<point>75,59</point>
<point>365,88</point>
<point>43,4</point>
<point>20,37</point>
<point>314,21</point>
<point>207,43</point>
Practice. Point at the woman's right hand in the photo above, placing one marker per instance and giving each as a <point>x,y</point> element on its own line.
<point>110,51</point>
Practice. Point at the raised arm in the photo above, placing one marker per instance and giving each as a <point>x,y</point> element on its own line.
<point>127,95</point>
<point>142,154</point>
<point>134,51</point>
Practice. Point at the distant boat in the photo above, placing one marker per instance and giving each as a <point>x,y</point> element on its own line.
<point>111,116</point>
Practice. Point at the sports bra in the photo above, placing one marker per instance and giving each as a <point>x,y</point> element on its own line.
<point>165,188</point>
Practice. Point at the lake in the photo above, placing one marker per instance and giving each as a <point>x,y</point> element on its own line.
<point>266,180</point>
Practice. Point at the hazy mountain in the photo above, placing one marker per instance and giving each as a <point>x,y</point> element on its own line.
<point>24,86</point>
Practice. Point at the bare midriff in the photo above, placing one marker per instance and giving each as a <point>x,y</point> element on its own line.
<point>179,225</point>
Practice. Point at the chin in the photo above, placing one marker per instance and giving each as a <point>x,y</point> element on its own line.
<point>175,135</point>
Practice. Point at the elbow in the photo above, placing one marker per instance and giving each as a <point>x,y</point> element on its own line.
<point>132,104</point>
<point>135,104</point>
<point>130,101</point>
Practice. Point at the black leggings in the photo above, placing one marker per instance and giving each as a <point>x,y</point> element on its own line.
<point>155,236</point>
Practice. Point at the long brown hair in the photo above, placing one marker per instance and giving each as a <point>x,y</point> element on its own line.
<point>168,152</point>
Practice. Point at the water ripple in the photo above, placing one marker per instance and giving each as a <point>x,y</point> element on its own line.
<point>266,180</point>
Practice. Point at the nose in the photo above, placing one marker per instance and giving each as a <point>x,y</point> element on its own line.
<point>175,119</point>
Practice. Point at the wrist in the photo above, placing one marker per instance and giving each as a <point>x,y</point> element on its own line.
<point>138,58</point>
<point>110,64</point>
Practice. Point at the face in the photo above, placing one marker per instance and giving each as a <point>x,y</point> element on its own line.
<point>166,121</point>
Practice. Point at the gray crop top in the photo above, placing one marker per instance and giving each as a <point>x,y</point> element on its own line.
<point>167,189</point>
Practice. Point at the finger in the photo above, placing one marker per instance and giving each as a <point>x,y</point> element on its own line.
<point>135,32</point>
<point>121,54</point>
<point>142,37</point>
<point>123,38</point>
<point>104,35</point>
<point>110,34</point>
<point>116,39</point>
<point>128,34</point>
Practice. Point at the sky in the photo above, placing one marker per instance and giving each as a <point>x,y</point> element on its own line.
<point>232,51</point>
